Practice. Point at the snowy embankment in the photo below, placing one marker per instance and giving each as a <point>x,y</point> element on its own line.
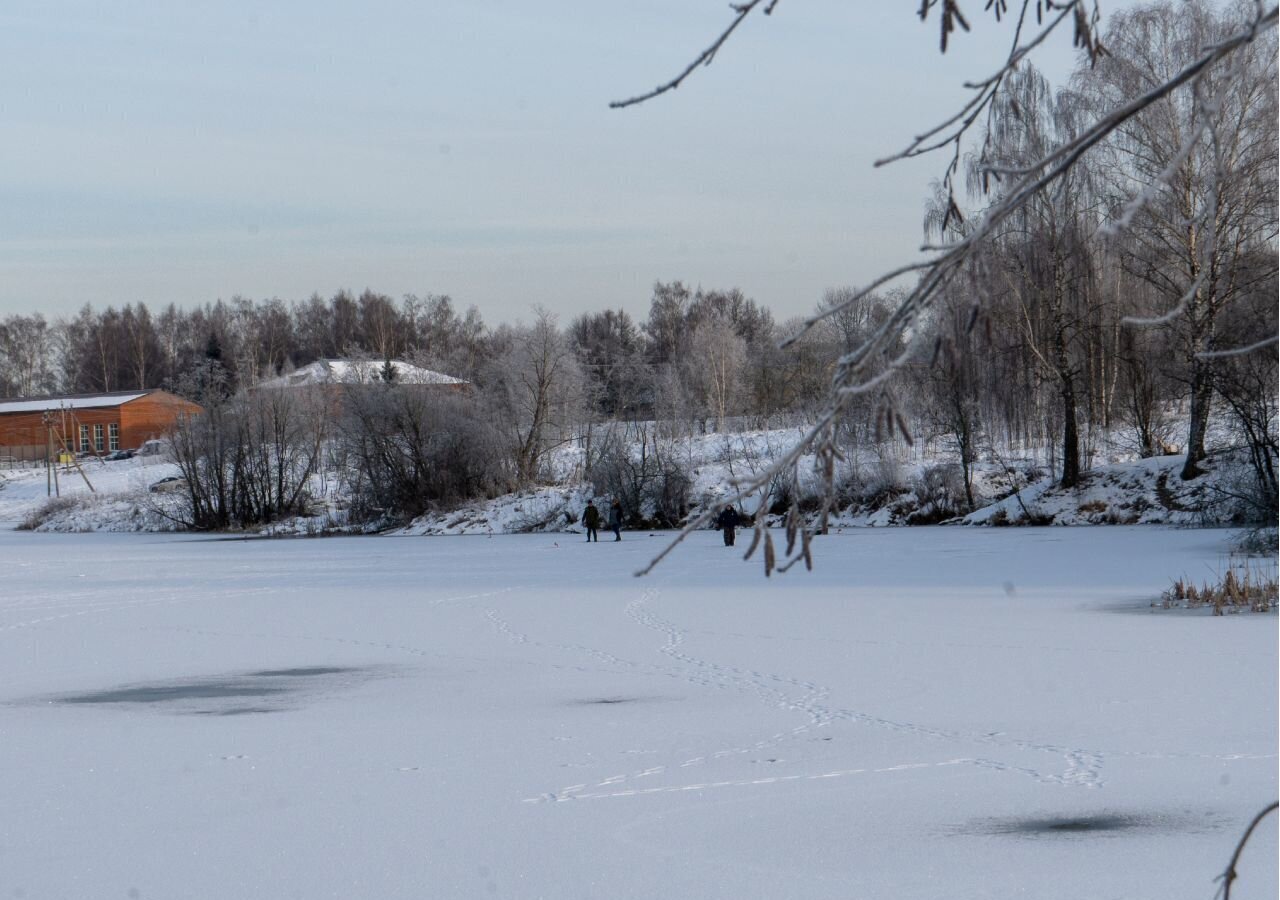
<point>1138,491</point>
<point>1142,492</point>
<point>895,485</point>
<point>931,714</point>
<point>545,509</point>
<point>110,496</point>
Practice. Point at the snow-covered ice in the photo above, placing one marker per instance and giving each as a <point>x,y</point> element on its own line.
<point>931,713</point>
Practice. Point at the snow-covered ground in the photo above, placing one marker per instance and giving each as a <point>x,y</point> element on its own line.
<point>889,485</point>
<point>931,713</point>
<point>109,496</point>
<point>1143,491</point>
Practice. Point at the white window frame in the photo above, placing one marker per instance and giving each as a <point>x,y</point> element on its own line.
<point>97,438</point>
<point>84,438</point>
<point>113,436</point>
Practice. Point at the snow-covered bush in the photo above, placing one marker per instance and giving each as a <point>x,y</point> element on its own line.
<point>940,492</point>
<point>47,510</point>
<point>642,472</point>
<point>247,460</point>
<point>409,450</point>
<point>1244,491</point>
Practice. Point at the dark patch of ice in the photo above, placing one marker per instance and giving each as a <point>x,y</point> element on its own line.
<point>202,696</point>
<point>1077,825</point>
<point>1096,825</point>
<point>609,701</point>
<point>235,711</point>
<point>169,693</point>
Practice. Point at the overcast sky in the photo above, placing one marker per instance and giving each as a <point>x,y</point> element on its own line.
<point>171,152</point>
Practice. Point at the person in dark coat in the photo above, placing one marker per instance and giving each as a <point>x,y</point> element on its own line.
<point>615,520</point>
<point>591,519</point>
<point>727,522</point>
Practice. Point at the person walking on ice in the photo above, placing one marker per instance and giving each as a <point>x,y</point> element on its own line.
<point>615,520</point>
<point>591,519</point>
<point>727,521</point>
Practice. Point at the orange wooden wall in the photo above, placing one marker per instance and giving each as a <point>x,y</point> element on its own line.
<point>150,417</point>
<point>139,420</point>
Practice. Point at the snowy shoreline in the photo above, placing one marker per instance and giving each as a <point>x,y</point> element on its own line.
<point>1146,491</point>
<point>895,485</point>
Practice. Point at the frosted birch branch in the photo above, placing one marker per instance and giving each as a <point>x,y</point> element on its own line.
<point>1239,351</point>
<point>706,57</point>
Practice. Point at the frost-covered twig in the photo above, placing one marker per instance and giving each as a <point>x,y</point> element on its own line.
<point>1178,308</point>
<point>1239,351</point>
<point>1230,874</point>
<point>705,58</point>
<point>1148,193</point>
<point>951,131</point>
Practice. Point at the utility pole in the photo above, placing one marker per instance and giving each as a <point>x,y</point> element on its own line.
<point>62,442</point>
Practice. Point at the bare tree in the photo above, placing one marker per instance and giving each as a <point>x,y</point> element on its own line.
<point>1246,382</point>
<point>311,329</point>
<point>344,326</point>
<point>141,345</point>
<point>633,463</point>
<point>668,320</point>
<point>381,325</point>
<point>26,356</point>
<point>1201,164</point>
<point>608,345</point>
<point>536,388</point>
<point>715,366</point>
<point>1044,252</point>
<point>274,334</point>
<point>951,384</point>
<point>248,459</point>
<point>447,341</point>
<point>411,448</point>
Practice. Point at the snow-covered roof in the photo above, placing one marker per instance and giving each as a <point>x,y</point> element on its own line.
<point>358,371</point>
<point>70,401</point>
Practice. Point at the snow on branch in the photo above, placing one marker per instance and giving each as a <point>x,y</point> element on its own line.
<point>1239,351</point>
<point>1178,308</point>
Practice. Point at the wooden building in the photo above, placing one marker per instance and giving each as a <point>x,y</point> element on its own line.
<point>87,423</point>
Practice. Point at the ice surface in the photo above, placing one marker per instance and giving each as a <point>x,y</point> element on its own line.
<point>932,713</point>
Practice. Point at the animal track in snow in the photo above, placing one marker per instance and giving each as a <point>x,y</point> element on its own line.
<point>1082,767</point>
<point>92,609</point>
<point>578,792</point>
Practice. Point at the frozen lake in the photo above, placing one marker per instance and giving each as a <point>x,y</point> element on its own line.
<point>932,713</point>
